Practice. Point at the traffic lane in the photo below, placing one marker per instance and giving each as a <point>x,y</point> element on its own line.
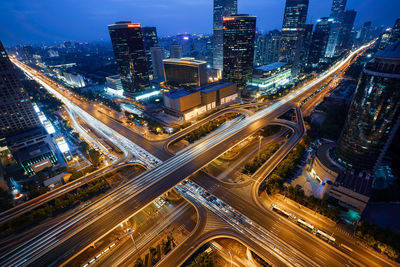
<point>294,234</point>
<point>115,216</point>
<point>297,239</point>
<point>128,250</point>
<point>181,253</point>
<point>152,147</point>
<point>59,191</point>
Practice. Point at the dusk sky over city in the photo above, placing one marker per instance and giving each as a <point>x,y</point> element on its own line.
<point>26,21</point>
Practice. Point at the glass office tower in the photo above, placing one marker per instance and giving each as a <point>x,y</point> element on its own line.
<point>222,8</point>
<point>374,113</point>
<point>127,42</point>
<point>239,34</point>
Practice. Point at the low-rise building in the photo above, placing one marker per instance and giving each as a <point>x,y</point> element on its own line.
<point>268,78</point>
<point>190,103</point>
<point>352,190</point>
<point>33,150</point>
<point>347,188</point>
<point>74,79</point>
<point>186,72</point>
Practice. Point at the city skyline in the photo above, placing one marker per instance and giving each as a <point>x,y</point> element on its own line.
<point>23,26</point>
<point>200,133</point>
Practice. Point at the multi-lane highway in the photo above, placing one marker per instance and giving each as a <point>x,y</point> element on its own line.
<point>63,240</point>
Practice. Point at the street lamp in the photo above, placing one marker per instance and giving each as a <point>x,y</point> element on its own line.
<point>259,146</point>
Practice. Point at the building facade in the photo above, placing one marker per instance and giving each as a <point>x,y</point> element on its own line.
<point>16,111</point>
<point>238,52</point>
<point>222,8</point>
<point>157,57</point>
<point>268,78</point>
<point>337,15</point>
<point>185,72</point>
<point>374,113</point>
<point>190,103</point>
<point>272,46</point>
<point>294,21</point>
<point>150,40</point>
<point>345,35</point>
<point>176,50</point>
<point>127,42</point>
<point>319,40</point>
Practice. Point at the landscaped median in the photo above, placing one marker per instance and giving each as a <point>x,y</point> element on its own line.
<point>203,130</point>
<point>66,202</point>
<point>246,157</point>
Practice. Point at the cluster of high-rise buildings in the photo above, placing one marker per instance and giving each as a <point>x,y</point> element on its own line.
<point>237,47</point>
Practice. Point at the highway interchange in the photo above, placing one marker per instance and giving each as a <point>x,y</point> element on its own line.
<point>61,241</point>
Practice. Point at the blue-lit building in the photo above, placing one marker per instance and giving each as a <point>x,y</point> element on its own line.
<point>374,114</point>
<point>268,78</point>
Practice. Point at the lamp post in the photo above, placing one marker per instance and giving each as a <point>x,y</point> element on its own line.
<point>259,146</point>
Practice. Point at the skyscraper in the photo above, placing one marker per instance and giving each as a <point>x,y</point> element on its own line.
<point>273,43</point>
<point>259,50</point>
<point>395,31</point>
<point>176,50</point>
<point>307,40</point>
<point>337,14</point>
<point>238,35</point>
<point>149,40</point>
<point>127,42</point>
<point>16,111</point>
<point>222,8</point>
<point>294,21</point>
<point>320,40</point>
<point>365,32</point>
<point>374,114</point>
<point>157,56</point>
<point>345,36</point>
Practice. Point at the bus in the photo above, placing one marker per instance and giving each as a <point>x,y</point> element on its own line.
<point>305,225</point>
<point>325,236</point>
<point>280,211</point>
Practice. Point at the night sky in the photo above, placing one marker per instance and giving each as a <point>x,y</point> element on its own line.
<point>35,21</point>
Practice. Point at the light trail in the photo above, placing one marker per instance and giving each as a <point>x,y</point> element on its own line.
<point>28,251</point>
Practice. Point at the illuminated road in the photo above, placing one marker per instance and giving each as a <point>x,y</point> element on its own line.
<point>63,240</point>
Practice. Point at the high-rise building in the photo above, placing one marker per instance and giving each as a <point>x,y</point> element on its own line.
<point>320,40</point>
<point>273,43</point>
<point>16,111</point>
<point>259,49</point>
<point>127,42</point>
<point>222,8</point>
<point>395,31</point>
<point>157,56</point>
<point>28,52</point>
<point>345,35</point>
<point>365,32</point>
<point>150,39</point>
<point>337,14</point>
<point>294,21</point>
<point>239,33</point>
<point>307,40</point>
<point>176,50</point>
<point>384,39</point>
<point>374,114</point>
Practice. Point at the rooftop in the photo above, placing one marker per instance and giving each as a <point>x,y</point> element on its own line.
<point>32,151</point>
<point>213,86</point>
<point>392,52</point>
<point>272,66</point>
<point>323,154</point>
<point>358,182</point>
<point>184,60</point>
<point>179,94</point>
